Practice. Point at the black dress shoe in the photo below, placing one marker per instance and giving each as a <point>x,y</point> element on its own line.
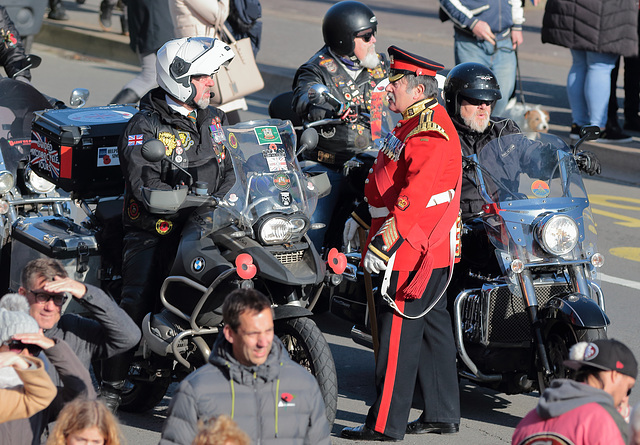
<point>363,432</point>
<point>420,427</point>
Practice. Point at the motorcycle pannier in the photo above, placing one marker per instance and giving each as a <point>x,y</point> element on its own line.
<point>55,237</point>
<point>77,149</point>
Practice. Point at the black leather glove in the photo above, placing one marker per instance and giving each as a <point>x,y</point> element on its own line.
<point>588,162</point>
<point>317,112</point>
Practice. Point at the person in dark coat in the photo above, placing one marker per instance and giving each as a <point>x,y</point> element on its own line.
<point>597,32</point>
<point>12,53</point>
<point>150,27</point>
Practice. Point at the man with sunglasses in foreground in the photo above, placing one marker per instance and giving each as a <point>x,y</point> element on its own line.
<point>413,196</point>
<point>20,334</point>
<point>584,410</point>
<point>350,68</point>
<point>47,287</point>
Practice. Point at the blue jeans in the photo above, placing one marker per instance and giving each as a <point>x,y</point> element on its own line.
<point>501,59</point>
<point>324,209</point>
<point>588,87</point>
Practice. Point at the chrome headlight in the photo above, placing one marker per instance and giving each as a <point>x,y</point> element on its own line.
<point>280,229</point>
<point>37,184</point>
<point>276,231</point>
<point>557,234</point>
<point>6,181</point>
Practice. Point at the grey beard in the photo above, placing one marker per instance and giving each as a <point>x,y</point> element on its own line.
<point>475,125</point>
<point>203,103</point>
<point>371,61</point>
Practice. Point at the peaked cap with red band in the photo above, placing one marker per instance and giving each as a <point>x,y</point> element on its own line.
<point>403,62</point>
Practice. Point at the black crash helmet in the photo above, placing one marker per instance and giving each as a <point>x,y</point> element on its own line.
<point>343,21</point>
<point>472,80</point>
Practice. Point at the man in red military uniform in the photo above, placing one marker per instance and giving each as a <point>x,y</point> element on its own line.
<point>413,193</point>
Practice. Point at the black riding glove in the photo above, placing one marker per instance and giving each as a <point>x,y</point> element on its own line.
<point>317,112</point>
<point>588,162</point>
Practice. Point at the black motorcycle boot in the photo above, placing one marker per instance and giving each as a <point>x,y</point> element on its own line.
<point>125,96</point>
<point>111,394</point>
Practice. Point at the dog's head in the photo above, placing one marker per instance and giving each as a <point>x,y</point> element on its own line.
<point>537,120</point>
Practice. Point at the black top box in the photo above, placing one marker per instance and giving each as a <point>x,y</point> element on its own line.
<point>77,148</point>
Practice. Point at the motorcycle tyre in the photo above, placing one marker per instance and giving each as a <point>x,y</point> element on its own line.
<point>562,342</point>
<point>307,346</point>
<point>140,396</point>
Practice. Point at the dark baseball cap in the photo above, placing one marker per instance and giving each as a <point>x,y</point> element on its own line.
<point>608,355</point>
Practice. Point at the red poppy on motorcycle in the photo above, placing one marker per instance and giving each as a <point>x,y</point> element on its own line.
<point>337,261</point>
<point>245,267</point>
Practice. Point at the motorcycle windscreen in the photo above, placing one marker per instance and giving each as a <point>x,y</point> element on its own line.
<point>268,176</point>
<point>525,180</point>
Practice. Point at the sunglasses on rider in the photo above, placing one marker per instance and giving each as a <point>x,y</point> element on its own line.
<point>44,297</point>
<point>18,346</point>
<point>478,102</point>
<point>629,392</point>
<point>366,35</point>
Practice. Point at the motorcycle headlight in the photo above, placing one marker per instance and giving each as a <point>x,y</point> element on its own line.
<point>37,184</point>
<point>557,234</point>
<point>276,230</point>
<point>280,229</point>
<point>6,181</point>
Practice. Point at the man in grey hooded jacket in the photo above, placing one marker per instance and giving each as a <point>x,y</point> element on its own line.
<point>250,378</point>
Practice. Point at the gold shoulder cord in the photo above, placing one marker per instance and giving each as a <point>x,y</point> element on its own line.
<point>426,124</point>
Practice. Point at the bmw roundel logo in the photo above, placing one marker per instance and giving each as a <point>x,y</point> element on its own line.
<point>198,264</point>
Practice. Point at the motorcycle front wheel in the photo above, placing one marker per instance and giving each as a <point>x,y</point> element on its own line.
<point>558,343</point>
<point>140,396</point>
<point>307,346</point>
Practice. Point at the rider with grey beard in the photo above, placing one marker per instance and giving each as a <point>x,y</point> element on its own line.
<point>178,114</point>
<point>349,67</point>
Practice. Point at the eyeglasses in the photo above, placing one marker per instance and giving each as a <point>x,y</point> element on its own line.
<point>478,102</point>
<point>629,392</point>
<point>18,346</point>
<point>44,297</point>
<point>366,35</point>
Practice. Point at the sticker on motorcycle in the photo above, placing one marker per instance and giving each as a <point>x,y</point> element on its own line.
<point>100,116</point>
<point>45,157</point>
<point>267,135</point>
<point>108,157</point>
<point>285,198</point>
<point>282,181</point>
<point>540,188</point>
<point>163,226</point>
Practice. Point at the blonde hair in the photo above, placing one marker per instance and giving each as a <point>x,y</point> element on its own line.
<point>81,414</point>
<point>221,431</point>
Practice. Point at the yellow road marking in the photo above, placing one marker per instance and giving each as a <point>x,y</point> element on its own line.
<point>627,253</point>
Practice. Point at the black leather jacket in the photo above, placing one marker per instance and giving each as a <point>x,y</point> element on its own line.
<point>12,55</point>
<point>192,145</point>
<point>471,142</point>
<point>337,144</point>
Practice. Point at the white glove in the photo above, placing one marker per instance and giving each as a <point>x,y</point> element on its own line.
<point>373,264</point>
<point>350,238</point>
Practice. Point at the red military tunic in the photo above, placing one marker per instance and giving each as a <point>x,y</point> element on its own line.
<point>428,165</point>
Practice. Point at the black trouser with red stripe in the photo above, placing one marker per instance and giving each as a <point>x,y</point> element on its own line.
<point>415,351</point>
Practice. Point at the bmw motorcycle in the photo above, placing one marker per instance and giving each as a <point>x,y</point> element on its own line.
<point>253,237</point>
<point>526,289</point>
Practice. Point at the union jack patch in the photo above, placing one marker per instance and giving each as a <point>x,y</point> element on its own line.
<point>135,139</point>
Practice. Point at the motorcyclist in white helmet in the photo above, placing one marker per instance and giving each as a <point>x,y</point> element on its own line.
<point>178,114</point>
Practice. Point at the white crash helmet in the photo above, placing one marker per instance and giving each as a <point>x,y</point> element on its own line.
<point>182,58</point>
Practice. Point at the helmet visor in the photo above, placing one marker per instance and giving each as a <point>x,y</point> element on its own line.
<point>192,50</point>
